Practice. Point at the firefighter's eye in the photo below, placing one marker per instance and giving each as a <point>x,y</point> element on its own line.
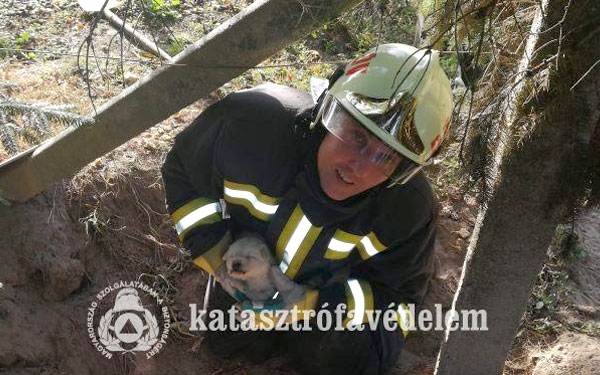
<point>358,138</point>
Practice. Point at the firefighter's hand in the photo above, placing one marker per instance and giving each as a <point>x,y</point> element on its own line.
<point>232,286</point>
<point>290,292</point>
<point>288,295</point>
<point>271,313</point>
<point>292,302</point>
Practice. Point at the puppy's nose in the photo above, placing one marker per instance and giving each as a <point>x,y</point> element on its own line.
<point>236,266</point>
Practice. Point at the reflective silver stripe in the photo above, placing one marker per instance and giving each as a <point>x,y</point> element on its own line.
<point>369,248</point>
<point>250,197</point>
<point>341,246</point>
<point>294,243</point>
<point>195,216</point>
<point>359,301</point>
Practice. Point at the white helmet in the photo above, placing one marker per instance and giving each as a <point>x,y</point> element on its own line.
<point>402,96</point>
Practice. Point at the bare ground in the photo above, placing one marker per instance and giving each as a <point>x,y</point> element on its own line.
<point>106,224</point>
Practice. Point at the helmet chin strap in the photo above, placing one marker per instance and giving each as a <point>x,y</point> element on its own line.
<point>405,173</point>
<point>406,179</point>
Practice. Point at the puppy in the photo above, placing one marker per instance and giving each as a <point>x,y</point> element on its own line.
<point>249,261</point>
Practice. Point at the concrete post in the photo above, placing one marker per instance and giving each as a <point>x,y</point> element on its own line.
<point>540,177</point>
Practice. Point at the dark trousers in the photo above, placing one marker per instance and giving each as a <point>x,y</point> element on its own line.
<point>366,352</point>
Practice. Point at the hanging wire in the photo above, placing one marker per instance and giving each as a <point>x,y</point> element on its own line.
<point>390,101</point>
<point>147,61</point>
<point>427,53</point>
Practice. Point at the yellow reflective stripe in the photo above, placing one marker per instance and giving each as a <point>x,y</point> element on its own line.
<point>360,300</point>
<point>297,261</point>
<point>190,206</point>
<point>405,318</point>
<point>341,245</point>
<point>295,241</point>
<point>287,231</point>
<point>370,245</point>
<point>200,211</point>
<point>259,205</point>
<point>212,259</point>
<point>293,245</point>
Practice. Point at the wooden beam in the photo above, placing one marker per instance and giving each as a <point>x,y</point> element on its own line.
<point>245,40</point>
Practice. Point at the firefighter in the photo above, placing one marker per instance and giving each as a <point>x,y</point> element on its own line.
<point>336,190</point>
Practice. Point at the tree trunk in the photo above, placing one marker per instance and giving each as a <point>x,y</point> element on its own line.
<point>539,179</point>
<point>244,41</point>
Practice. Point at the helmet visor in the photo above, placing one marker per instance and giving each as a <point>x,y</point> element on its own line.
<point>395,116</point>
<point>358,138</point>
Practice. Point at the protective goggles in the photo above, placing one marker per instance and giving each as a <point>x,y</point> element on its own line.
<point>351,132</point>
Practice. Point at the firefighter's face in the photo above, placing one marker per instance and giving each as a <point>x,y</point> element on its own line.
<point>343,172</point>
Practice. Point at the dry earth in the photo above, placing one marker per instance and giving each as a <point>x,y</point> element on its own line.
<point>52,270</point>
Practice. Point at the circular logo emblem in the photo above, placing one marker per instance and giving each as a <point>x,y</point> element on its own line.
<point>123,318</point>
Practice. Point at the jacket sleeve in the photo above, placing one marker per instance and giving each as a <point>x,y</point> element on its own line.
<point>394,278</point>
<point>193,187</point>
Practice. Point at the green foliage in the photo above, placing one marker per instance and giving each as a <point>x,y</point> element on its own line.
<point>449,64</point>
<point>545,326</point>
<point>554,282</point>
<point>4,45</point>
<point>17,47</point>
<point>175,46</point>
<point>24,38</point>
<point>381,21</point>
<point>23,42</point>
<point>370,23</point>
<point>567,245</point>
<point>589,328</point>
<point>163,8</point>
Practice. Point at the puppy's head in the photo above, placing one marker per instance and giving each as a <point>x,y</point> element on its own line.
<point>248,257</point>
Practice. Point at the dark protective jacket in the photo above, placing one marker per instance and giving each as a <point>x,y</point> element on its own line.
<point>252,151</point>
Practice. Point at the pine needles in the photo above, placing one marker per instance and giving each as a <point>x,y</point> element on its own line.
<point>31,123</point>
<point>486,38</point>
